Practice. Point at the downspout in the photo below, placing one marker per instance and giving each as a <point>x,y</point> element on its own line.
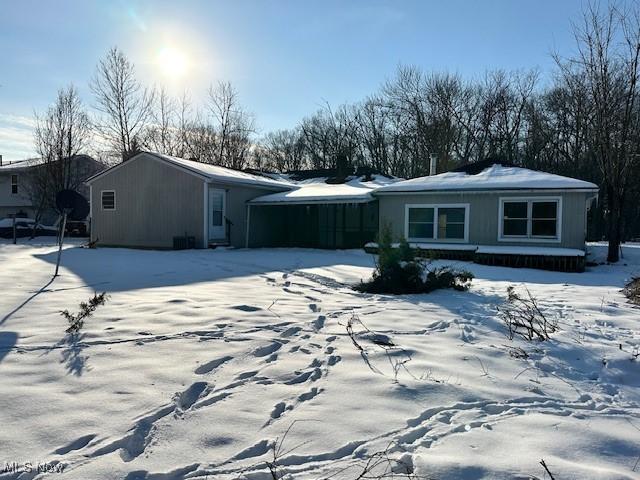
<point>246,240</point>
<point>90,213</point>
<point>205,216</point>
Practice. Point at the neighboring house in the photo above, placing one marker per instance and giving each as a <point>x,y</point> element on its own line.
<point>151,199</point>
<point>16,185</point>
<point>495,212</point>
<point>485,211</point>
<point>14,192</point>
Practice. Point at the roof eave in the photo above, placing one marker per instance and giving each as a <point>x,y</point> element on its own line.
<point>330,201</point>
<point>485,190</point>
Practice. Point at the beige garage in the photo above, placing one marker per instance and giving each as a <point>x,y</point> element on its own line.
<point>151,199</point>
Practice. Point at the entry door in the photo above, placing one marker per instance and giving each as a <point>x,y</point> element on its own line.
<point>217,201</point>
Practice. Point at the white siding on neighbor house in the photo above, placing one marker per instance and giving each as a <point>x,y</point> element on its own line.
<point>483,213</point>
<point>80,168</point>
<point>11,203</point>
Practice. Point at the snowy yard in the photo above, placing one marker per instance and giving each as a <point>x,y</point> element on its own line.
<point>201,361</point>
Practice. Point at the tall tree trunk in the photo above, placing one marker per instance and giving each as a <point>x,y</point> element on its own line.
<point>614,225</point>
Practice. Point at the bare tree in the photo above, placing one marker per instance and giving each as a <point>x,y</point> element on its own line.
<point>61,133</point>
<point>163,133</point>
<point>406,96</point>
<point>284,150</point>
<point>606,67</point>
<point>233,126</point>
<point>124,104</point>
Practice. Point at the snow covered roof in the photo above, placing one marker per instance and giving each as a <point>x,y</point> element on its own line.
<point>215,172</point>
<point>316,190</point>
<point>495,177</point>
<point>209,172</point>
<point>20,164</point>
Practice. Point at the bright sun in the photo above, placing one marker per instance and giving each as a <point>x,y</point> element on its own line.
<point>172,62</point>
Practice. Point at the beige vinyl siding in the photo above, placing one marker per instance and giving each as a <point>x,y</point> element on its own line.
<point>154,203</point>
<point>236,209</point>
<point>484,212</point>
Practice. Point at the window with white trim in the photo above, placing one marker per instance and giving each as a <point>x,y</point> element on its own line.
<point>437,222</point>
<point>535,219</point>
<point>14,184</point>
<point>108,200</point>
<point>421,222</point>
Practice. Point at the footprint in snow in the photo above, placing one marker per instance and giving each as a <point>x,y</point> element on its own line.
<point>333,360</point>
<point>185,400</point>
<point>77,444</point>
<point>288,290</point>
<point>290,331</point>
<point>312,375</point>
<point>257,450</point>
<point>267,349</point>
<point>212,365</point>
<point>278,410</point>
<point>271,358</point>
<point>314,392</point>
<point>318,323</point>
<point>246,308</point>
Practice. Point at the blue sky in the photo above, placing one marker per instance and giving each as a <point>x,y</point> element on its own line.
<point>285,57</point>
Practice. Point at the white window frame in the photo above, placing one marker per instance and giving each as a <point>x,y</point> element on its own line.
<point>435,207</point>
<point>14,175</point>
<point>102,192</point>
<point>529,238</point>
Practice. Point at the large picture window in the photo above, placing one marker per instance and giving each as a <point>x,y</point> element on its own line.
<point>437,222</point>
<point>530,219</point>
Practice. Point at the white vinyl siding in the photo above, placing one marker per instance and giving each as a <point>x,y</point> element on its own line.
<point>530,219</point>
<point>108,199</point>
<point>445,223</point>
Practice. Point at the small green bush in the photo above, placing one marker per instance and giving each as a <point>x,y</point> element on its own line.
<point>398,271</point>
<point>76,321</point>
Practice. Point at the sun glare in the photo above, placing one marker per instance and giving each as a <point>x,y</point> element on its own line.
<point>172,62</point>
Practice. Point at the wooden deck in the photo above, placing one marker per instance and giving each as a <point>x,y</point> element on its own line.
<point>563,260</point>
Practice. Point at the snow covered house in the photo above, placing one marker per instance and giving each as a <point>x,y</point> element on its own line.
<point>488,212</point>
<point>492,213</point>
<point>152,199</point>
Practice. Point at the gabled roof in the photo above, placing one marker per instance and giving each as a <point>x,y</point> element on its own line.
<point>494,177</point>
<point>316,190</point>
<point>20,164</point>
<point>27,163</point>
<point>205,171</point>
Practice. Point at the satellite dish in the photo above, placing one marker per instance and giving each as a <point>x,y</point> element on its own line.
<point>74,204</point>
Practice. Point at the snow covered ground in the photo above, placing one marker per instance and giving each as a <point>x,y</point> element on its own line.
<point>201,361</point>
